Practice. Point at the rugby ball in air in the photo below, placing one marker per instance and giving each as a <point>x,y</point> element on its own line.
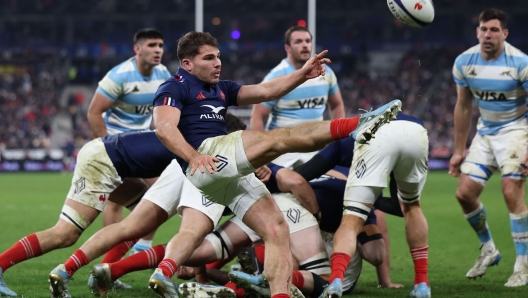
<point>415,13</point>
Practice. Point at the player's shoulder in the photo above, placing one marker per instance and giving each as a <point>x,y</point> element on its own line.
<point>175,83</point>
<point>465,57</point>
<point>328,69</point>
<point>283,68</point>
<point>162,70</point>
<point>518,56</point>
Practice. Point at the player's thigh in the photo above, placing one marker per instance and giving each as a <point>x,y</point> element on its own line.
<point>479,163</point>
<point>265,218</point>
<point>510,148</point>
<point>263,147</point>
<point>131,190</point>
<point>94,177</point>
<point>309,250</point>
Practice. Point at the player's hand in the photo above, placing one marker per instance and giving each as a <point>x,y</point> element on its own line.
<point>186,273</point>
<point>203,162</point>
<point>315,66</point>
<point>263,173</point>
<point>524,165</point>
<point>454,164</point>
<point>391,285</point>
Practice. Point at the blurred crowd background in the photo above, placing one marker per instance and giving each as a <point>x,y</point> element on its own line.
<point>53,53</point>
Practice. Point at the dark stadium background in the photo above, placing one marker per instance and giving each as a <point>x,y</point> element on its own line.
<point>53,53</point>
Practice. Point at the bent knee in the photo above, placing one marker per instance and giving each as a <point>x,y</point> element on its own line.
<point>277,230</point>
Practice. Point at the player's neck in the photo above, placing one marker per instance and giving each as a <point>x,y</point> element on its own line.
<point>492,56</point>
<point>294,63</point>
<point>145,69</point>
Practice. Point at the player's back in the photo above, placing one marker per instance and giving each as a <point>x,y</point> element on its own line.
<point>305,103</point>
<point>138,154</point>
<point>499,86</point>
<point>132,94</point>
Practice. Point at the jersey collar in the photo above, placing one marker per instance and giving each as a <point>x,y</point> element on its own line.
<point>194,80</point>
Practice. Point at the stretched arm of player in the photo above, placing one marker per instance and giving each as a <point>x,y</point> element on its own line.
<point>462,117</point>
<point>314,168</point>
<point>290,181</point>
<point>259,116</point>
<point>280,86</point>
<point>98,106</point>
<point>337,107</point>
<point>166,119</point>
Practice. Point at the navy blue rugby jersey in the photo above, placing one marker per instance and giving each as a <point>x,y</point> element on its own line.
<point>203,106</point>
<point>138,154</point>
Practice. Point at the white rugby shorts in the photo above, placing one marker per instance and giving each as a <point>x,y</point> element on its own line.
<point>504,150</point>
<point>234,184</point>
<point>297,217</point>
<point>400,147</point>
<point>173,191</point>
<point>94,177</point>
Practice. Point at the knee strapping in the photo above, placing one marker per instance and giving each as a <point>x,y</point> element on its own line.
<point>75,218</point>
<point>221,244</point>
<point>356,209</point>
<point>477,172</point>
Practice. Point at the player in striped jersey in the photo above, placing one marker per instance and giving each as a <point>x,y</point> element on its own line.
<point>306,102</point>
<point>495,74</point>
<point>123,102</point>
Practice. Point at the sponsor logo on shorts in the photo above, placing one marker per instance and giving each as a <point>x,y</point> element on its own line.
<point>294,215</point>
<point>361,168</point>
<point>206,202</point>
<point>80,185</point>
<point>222,163</point>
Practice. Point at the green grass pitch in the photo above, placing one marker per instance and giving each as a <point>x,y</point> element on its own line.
<point>31,202</point>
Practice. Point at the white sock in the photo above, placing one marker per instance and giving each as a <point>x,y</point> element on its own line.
<point>521,263</point>
<point>488,247</point>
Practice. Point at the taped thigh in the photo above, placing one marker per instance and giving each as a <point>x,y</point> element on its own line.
<point>477,172</point>
<point>221,244</point>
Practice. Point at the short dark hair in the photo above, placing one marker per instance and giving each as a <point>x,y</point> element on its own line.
<point>233,123</point>
<point>147,33</point>
<point>292,29</point>
<point>189,44</point>
<point>494,14</point>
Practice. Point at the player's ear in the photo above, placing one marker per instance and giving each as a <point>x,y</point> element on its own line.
<point>287,48</point>
<point>505,32</point>
<point>137,49</point>
<point>186,64</point>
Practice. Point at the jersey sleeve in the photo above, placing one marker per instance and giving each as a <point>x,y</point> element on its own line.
<point>231,89</point>
<point>171,93</point>
<point>111,86</point>
<point>458,74</point>
<point>523,72</point>
<point>271,184</point>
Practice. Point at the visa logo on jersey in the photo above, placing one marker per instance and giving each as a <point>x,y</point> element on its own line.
<point>489,96</point>
<point>313,103</point>
<point>144,109</point>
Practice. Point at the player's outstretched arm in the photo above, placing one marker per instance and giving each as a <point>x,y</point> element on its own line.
<point>462,117</point>
<point>166,119</point>
<point>290,181</point>
<point>278,87</point>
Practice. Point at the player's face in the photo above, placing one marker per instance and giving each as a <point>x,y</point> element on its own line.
<point>300,47</point>
<point>150,51</point>
<point>206,65</point>
<point>491,36</point>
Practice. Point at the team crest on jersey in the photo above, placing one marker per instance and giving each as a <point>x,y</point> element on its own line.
<point>80,185</point>
<point>294,215</point>
<point>136,89</point>
<point>472,72</point>
<point>179,78</point>
<point>222,95</point>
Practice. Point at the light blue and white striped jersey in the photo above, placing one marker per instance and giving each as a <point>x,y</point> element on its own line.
<point>132,94</point>
<point>499,86</point>
<point>305,103</point>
